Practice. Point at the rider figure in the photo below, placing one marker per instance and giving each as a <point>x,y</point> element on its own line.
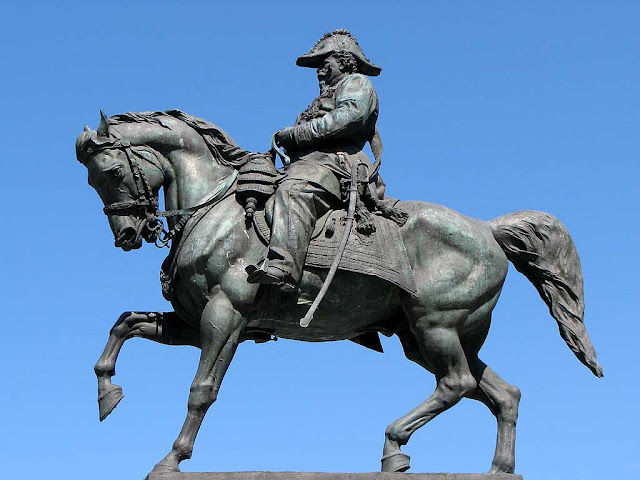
<point>327,137</point>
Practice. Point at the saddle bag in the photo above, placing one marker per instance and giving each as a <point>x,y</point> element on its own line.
<point>256,182</point>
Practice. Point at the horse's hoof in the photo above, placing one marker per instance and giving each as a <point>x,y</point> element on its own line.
<point>395,462</point>
<point>109,401</point>
<point>159,469</point>
<point>501,469</point>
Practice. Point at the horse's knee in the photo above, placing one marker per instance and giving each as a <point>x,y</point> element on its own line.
<point>119,330</point>
<point>124,324</point>
<point>201,397</point>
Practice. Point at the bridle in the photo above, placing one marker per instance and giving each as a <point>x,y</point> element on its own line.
<point>144,200</point>
<point>147,202</point>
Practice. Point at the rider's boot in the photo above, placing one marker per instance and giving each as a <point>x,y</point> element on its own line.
<point>294,217</point>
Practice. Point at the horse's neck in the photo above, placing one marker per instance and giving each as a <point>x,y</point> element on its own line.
<point>190,171</point>
<point>195,177</point>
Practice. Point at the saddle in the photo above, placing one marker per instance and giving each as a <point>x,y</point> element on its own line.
<point>375,246</point>
<point>380,253</point>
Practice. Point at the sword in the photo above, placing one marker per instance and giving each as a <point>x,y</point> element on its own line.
<point>353,194</point>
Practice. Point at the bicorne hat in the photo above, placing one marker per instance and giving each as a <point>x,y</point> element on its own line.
<point>338,40</point>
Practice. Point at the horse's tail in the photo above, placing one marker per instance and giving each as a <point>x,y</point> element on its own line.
<point>540,247</point>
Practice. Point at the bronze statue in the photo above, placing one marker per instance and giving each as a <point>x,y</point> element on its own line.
<point>437,297</point>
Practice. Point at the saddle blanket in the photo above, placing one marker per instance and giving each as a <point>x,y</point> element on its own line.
<point>381,254</point>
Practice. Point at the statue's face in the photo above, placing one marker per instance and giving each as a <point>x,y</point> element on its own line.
<point>110,175</point>
<point>330,73</point>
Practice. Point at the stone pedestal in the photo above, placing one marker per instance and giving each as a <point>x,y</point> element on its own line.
<point>330,476</point>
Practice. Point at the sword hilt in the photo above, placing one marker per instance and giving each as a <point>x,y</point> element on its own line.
<point>286,161</point>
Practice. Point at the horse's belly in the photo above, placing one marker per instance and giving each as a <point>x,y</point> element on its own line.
<point>353,304</point>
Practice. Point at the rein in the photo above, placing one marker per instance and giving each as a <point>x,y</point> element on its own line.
<point>218,194</point>
<point>145,200</point>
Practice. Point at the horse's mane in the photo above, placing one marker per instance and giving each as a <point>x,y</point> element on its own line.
<point>223,148</point>
<point>218,141</point>
<point>200,125</point>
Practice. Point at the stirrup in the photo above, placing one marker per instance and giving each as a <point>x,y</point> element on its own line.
<point>271,275</point>
<point>255,271</point>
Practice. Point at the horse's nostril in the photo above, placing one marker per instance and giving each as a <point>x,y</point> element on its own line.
<point>126,236</point>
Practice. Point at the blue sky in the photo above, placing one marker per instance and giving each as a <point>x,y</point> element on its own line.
<point>486,107</point>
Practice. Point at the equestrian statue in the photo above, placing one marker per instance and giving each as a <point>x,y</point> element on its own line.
<point>255,249</point>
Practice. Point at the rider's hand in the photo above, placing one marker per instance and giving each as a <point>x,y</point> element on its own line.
<point>285,138</point>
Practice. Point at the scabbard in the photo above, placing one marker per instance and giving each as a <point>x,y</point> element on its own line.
<point>351,209</point>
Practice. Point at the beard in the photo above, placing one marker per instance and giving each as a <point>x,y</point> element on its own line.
<point>323,86</point>
<point>322,81</point>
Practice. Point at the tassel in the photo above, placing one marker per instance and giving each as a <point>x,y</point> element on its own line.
<point>250,206</point>
<point>398,215</point>
<point>364,219</point>
<point>331,228</point>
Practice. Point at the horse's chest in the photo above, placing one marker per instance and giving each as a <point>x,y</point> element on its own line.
<point>196,275</point>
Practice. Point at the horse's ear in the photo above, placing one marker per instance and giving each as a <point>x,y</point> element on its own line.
<point>103,128</point>
<point>87,128</point>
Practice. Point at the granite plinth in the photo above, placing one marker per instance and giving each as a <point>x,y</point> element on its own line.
<point>330,476</point>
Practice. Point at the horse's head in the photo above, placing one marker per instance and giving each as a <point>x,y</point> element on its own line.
<point>127,179</point>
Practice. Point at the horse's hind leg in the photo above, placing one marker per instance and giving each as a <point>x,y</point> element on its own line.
<point>165,328</point>
<point>502,399</point>
<point>438,341</point>
<point>220,329</point>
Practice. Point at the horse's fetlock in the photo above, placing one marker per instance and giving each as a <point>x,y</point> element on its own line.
<point>182,451</point>
<point>502,464</point>
<point>397,434</point>
<point>103,369</point>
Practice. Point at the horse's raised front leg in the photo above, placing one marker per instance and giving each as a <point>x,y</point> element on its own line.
<point>220,329</point>
<point>438,341</point>
<point>165,328</point>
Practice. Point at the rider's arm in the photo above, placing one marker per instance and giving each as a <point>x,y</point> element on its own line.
<point>356,101</point>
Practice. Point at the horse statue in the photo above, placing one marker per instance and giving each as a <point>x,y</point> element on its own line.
<point>459,265</point>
